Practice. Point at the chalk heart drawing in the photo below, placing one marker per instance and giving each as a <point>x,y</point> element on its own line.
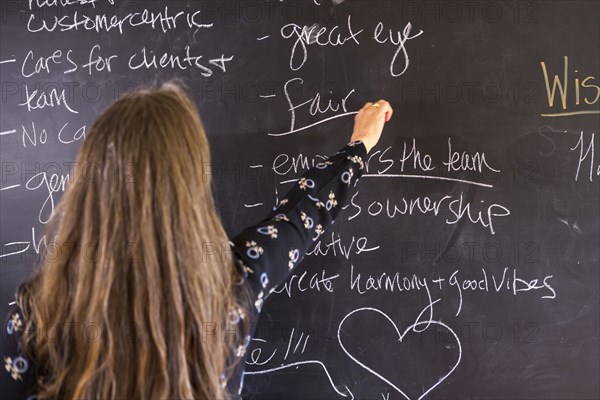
<point>423,326</point>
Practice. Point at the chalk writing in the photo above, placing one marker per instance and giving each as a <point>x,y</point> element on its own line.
<point>586,156</point>
<point>561,88</point>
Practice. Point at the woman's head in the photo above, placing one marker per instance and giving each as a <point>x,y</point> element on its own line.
<point>141,262</point>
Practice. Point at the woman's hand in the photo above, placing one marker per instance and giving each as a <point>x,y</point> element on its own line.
<point>368,123</point>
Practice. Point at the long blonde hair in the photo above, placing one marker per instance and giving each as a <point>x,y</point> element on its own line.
<point>131,299</point>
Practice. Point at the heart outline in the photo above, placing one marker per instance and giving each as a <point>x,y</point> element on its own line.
<point>401,337</point>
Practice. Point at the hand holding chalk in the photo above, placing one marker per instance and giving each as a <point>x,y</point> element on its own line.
<point>369,122</point>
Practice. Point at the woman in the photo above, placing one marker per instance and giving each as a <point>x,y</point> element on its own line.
<point>143,295</point>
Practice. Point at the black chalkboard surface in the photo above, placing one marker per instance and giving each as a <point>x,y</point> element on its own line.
<point>466,266</point>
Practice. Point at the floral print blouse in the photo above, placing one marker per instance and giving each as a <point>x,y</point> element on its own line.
<point>265,253</point>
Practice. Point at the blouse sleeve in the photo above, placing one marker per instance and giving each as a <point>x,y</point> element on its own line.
<point>18,379</point>
<point>270,250</point>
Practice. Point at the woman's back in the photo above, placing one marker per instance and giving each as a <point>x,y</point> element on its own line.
<point>143,295</point>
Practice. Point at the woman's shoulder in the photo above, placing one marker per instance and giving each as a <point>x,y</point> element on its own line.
<point>18,377</point>
<point>14,321</point>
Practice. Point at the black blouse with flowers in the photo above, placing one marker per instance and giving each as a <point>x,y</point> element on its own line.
<point>266,253</point>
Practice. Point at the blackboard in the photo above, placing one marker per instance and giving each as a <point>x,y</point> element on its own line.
<point>467,263</point>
